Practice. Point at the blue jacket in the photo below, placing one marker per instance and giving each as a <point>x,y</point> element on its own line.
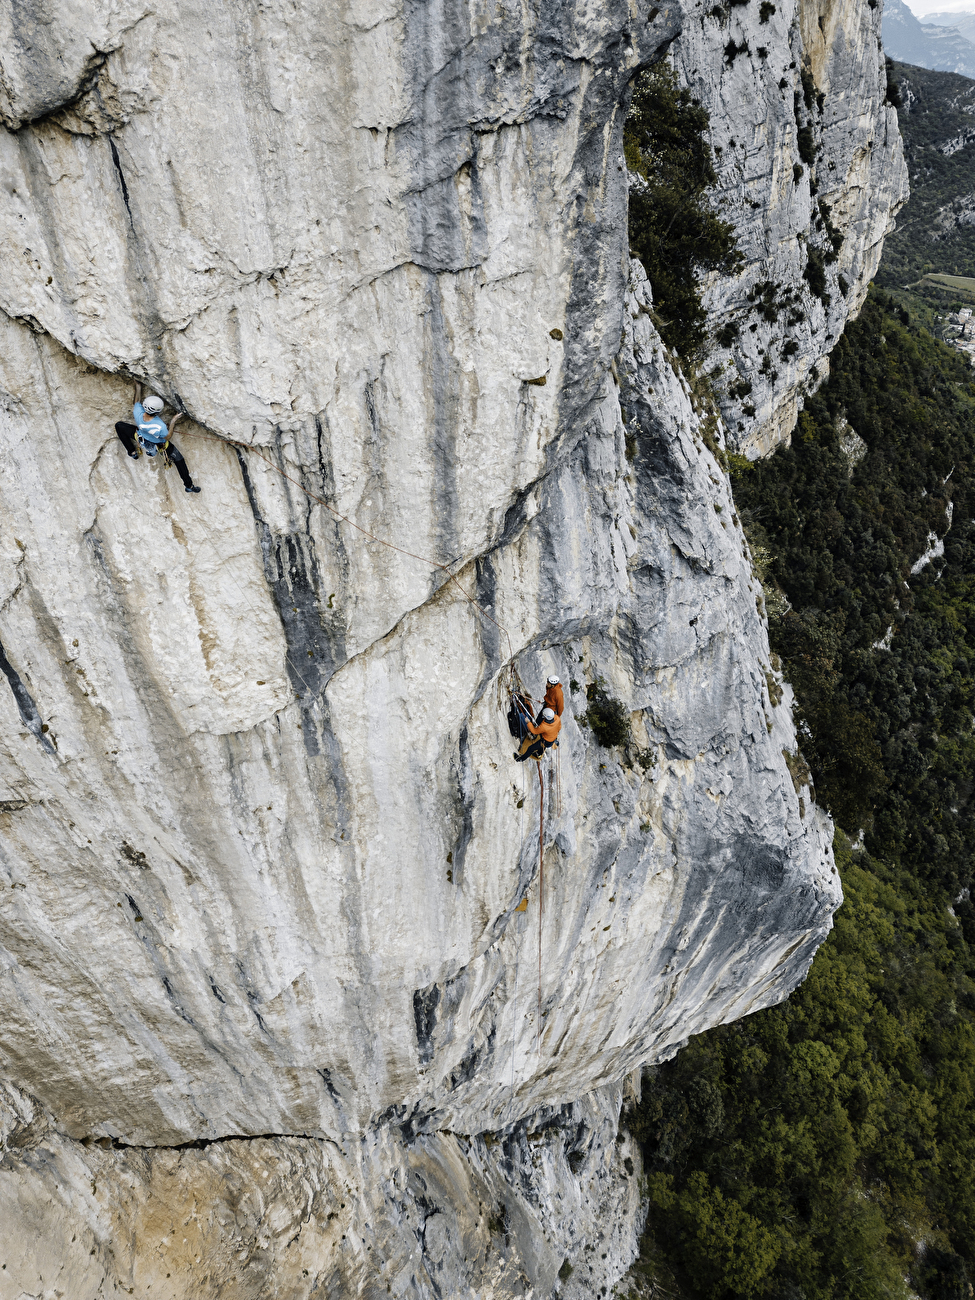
<point>152,428</point>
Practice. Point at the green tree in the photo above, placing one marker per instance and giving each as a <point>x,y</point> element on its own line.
<point>672,227</point>
<point>721,1245</point>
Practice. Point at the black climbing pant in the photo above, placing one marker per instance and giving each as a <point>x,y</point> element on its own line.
<point>127,435</point>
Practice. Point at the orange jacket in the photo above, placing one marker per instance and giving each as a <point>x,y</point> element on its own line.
<point>554,700</point>
<point>549,731</point>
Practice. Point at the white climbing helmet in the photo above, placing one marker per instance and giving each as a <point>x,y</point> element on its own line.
<point>153,405</point>
<point>553,681</point>
<point>548,715</point>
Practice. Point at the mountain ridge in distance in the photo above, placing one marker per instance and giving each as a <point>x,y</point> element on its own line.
<point>939,44</point>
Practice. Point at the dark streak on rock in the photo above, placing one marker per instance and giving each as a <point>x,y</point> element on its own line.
<point>326,1077</point>
<point>25,702</point>
<point>121,180</point>
<point>466,781</point>
<point>313,653</point>
<point>425,1003</point>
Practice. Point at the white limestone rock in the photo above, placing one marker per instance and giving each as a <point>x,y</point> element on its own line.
<point>296,1216</point>
<point>263,841</point>
<point>813,66</point>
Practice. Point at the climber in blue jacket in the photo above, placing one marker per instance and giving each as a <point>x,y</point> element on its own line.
<point>149,434</point>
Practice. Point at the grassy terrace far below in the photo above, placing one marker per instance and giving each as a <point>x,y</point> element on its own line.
<point>964,283</point>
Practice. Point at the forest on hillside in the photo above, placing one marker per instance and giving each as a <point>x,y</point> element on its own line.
<point>935,230</point>
<point>825,1148</point>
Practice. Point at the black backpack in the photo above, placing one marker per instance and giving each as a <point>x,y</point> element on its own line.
<point>518,711</point>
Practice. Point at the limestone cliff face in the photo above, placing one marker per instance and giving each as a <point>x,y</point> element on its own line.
<point>811,175</point>
<point>263,841</point>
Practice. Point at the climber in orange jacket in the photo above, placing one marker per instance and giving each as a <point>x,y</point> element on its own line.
<point>554,698</point>
<point>541,736</point>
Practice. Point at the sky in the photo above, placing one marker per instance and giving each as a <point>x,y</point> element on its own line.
<point>921,7</point>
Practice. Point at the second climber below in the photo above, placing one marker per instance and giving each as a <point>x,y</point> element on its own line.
<point>150,435</point>
<point>542,735</point>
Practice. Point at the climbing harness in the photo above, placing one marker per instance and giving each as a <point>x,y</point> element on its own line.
<point>160,448</point>
<point>166,458</point>
<point>158,458</point>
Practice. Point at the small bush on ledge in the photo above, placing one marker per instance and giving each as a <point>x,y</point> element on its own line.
<point>607,718</point>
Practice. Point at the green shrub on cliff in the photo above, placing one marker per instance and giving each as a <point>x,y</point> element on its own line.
<point>672,227</point>
<point>608,718</point>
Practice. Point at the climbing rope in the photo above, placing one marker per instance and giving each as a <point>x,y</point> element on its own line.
<point>541,888</point>
<point>514,1036</point>
<point>514,1004</point>
<point>434,564</point>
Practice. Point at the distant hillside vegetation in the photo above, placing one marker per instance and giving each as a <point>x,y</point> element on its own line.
<point>824,1149</point>
<point>936,229</point>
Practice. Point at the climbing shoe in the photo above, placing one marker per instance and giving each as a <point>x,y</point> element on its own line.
<point>192,488</point>
<point>134,455</point>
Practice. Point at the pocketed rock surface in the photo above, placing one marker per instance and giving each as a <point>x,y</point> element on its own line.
<point>273,1025</point>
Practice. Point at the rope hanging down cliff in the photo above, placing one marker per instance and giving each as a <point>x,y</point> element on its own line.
<point>541,890</point>
<point>391,546</point>
<point>509,683</point>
